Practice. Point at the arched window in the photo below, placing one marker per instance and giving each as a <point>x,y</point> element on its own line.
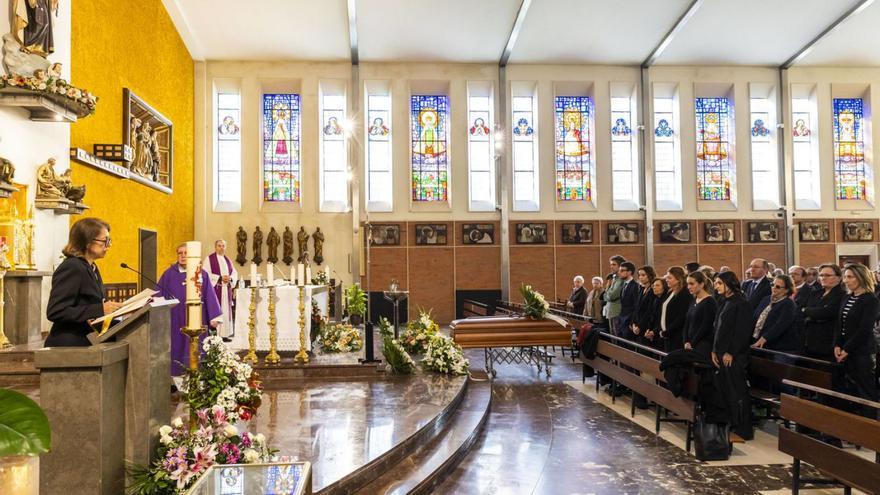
<point>281,148</point>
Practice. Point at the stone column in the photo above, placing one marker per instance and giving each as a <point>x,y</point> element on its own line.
<point>23,293</point>
<point>82,391</point>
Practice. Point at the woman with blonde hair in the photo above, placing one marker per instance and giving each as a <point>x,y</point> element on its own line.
<point>674,310</point>
<point>854,337</point>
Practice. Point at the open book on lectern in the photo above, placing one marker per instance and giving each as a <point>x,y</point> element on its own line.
<point>130,305</point>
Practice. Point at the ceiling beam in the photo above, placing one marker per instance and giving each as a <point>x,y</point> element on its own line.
<point>672,33</point>
<point>353,31</point>
<point>514,32</point>
<point>805,50</point>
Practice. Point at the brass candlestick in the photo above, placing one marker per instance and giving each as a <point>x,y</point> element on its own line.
<point>302,355</point>
<point>272,357</point>
<point>251,356</point>
<point>4,342</point>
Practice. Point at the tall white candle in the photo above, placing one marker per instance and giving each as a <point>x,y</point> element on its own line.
<point>253,274</point>
<point>193,299</point>
<point>270,273</point>
<point>308,275</point>
<point>300,274</point>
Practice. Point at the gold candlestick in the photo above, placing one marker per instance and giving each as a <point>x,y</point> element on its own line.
<point>302,355</point>
<point>272,357</point>
<point>4,342</point>
<point>251,356</point>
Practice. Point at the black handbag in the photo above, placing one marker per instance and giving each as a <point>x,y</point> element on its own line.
<point>711,440</point>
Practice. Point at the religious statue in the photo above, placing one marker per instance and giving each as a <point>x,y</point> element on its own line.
<point>32,26</point>
<point>302,238</point>
<point>288,245</point>
<point>153,173</point>
<point>272,241</point>
<point>71,192</point>
<point>258,246</point>
<point>241,246</point>
<point>48,184</point>
<point>318,240</point>
<point>143,157</point>
<point>7,171</point>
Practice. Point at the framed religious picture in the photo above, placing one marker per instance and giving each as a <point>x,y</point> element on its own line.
<point>478,233</point>
<point>149,135</point>
<point>675,232</point>
<point>431,234</point>
<point>858,231</point>
<point>531,233</point>
<point>384,235</point>
<point>763,232</point>
<point>718,232</point>
<point>814,231</point>
<point>623,233</point>
<point>577,233</point>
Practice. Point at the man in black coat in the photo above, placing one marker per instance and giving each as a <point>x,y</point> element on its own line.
<point>578,297</point>
<point>629,298</point>
<point>758,287</point>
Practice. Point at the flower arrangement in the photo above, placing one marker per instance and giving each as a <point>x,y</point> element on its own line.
<point>49,83</point>
<point>223,380</point>
<point>534,304</point>
<point>417,333</point>
<point>443,355</point>
<point>320,279</point>
<point>398,359</point>
<point>184,454</point>
<point>340,337</point>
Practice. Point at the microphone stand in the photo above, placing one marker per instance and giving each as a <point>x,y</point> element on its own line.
<point>125,265</point>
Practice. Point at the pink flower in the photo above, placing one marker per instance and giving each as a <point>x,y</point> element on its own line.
<point>246,439</point>
<point>219,414</point>
<point>231,452</point>
<point>202,415</point>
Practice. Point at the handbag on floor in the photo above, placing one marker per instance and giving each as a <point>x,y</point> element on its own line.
<point>711,440</point>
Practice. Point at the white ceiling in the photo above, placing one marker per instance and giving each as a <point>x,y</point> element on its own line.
<point>722,32</point>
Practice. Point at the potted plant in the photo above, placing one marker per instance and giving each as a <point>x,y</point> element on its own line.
<point>355,304</point>
<point>24,435</point>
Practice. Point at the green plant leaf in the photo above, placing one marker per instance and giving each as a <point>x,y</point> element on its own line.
<point>24,427</point>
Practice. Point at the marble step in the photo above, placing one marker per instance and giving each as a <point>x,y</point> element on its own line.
<point>18,353</point>
<point>426,468</point>
<point>18,373</point>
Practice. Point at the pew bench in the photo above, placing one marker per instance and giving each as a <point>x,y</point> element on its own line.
<point>773,368</point>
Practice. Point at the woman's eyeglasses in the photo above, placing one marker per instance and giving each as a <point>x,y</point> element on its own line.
<point>106,242</point>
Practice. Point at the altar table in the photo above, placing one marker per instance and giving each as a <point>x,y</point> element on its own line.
<point>286,315</point>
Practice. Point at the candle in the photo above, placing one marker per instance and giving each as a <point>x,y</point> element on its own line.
<point>270,275</point>
<point>193,298</point>
<point>300,275</point>
<point>253,274</point>
<point>308,275</point>
<point>327,273</point>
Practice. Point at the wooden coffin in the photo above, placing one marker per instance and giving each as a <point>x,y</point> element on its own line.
<point>510,331</point>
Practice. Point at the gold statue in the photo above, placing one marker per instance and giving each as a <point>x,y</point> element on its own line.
<point>318,240</point>
<point>302,238</point>
<point>272,242</point>
<point>4,267</point>
<point>48,184</point>
<point>7,171</point>
<point>288,246</point>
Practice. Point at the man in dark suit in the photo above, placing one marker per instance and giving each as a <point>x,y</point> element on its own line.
<point>629,296</point>
<point>802,289</point>
<point>578,297</point>
<point>758,286</point>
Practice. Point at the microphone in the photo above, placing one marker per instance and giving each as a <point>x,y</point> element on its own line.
<point>125,265</point>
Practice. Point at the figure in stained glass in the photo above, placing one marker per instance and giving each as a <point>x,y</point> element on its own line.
<point>714,167</point>
<point>479,128</point>
<point>620,128</point>
<point>429,116</point>
<point>332,128</point>
<point>759,129</point>
<point>378,128</point>
<point>281,152</point>
<point>663,129</point>
<point>523,128</point>
<point>800,129</point>
<point>228,127</point>
<point>573,152</point>
<point>850,173</point>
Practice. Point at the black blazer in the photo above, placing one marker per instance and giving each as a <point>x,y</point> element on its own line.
<point>756,292</point>
<point>577,299</point>
<point>803,296</point>
<point>676,314</point>
<point>645,307</point>
<point>856,335</point>
<point>733,329</point>
<point>699,328</point>
<point>77,296</point>
<point>780,327</point>
<point>820,318</point>
<point>629,297</point>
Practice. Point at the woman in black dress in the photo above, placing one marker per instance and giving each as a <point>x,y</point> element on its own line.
<point>77,294</point>
<point>854,339</point>
<point>699,327</point>
<point>674,310</point>
<point>645,303</point>
<point>650,327</point>
<point>821,312</point>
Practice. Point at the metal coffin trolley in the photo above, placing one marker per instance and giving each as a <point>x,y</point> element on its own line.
<point>512,339</point>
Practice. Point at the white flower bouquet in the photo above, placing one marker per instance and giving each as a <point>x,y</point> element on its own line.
<point>418,332</point>
<point>534,304</point>
<point>444,356</point>
<point>223,380</point>
<point>341,337</point>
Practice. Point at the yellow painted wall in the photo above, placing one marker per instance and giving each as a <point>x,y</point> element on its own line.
<point>133,45</point>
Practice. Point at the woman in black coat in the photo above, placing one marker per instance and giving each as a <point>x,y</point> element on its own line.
<point>650,326</point>
<point>821,312</point>
<point>77,294</point>
<point>854,339</point>
<point>777,329</point>
<point>674,309</point>
<point>645,303</point>
<point>699,327</point>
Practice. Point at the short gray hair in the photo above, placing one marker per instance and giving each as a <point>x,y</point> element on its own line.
<point>579,278</point>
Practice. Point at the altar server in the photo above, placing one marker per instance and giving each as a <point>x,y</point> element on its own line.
<point>223,279</point>
<point>173,285</point>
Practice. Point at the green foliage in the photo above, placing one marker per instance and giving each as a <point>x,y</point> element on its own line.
<point>418,331</point>
<point>385,328</point>
<point>400,361</point>
<point>145,481</point>
<point>534,304</point>
<point>24,427</point>
<point>355,300</point>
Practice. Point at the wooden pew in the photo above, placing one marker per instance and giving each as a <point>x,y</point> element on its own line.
<point>846,467</point>
<point>475,308</point>
<point>773,367</point>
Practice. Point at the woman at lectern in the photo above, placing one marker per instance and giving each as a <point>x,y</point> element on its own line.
<point>77,294</point>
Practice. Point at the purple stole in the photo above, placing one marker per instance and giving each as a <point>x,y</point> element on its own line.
<point>218,289</point>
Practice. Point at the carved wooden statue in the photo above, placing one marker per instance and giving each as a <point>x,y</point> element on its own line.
<point>241,246</point>
<point>7,171</point>
<point>272,241</point>
<point>71,192</point>
<point>258,246</point>
<point>302,238</point>
<point>33,25</point>
<point>318,240</point>
<point>48,184</point>
<point>288,245</point>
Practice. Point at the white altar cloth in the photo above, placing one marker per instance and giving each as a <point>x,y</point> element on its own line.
<point>286,315</point>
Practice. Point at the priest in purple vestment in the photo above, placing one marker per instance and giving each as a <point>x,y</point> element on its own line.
<point>173,285</point>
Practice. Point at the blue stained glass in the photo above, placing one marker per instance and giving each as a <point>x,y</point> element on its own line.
<point>523,128</point>
<point>620,128</point>
<point>281,147</point>
<point>850,174</point>
<point>663,129</point>
<point>759,129</point>
<point>428,122</point>
<point>715,170</point>
<point>573,150</point>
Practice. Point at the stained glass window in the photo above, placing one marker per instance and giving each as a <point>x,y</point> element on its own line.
<point>715,169</point>
<point>334,162</point>
<point>573,150</point>
<point>481,153</point>
<point>804,157</point>
<point>667,163</point>
<point>525,160</point>
<point>850,178</point>
<point>227,179</point>
<point>378,125</point>
<point>430,172</point>
<point>625,188</point>
<point>765,171</point>
<point>281,147</point>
